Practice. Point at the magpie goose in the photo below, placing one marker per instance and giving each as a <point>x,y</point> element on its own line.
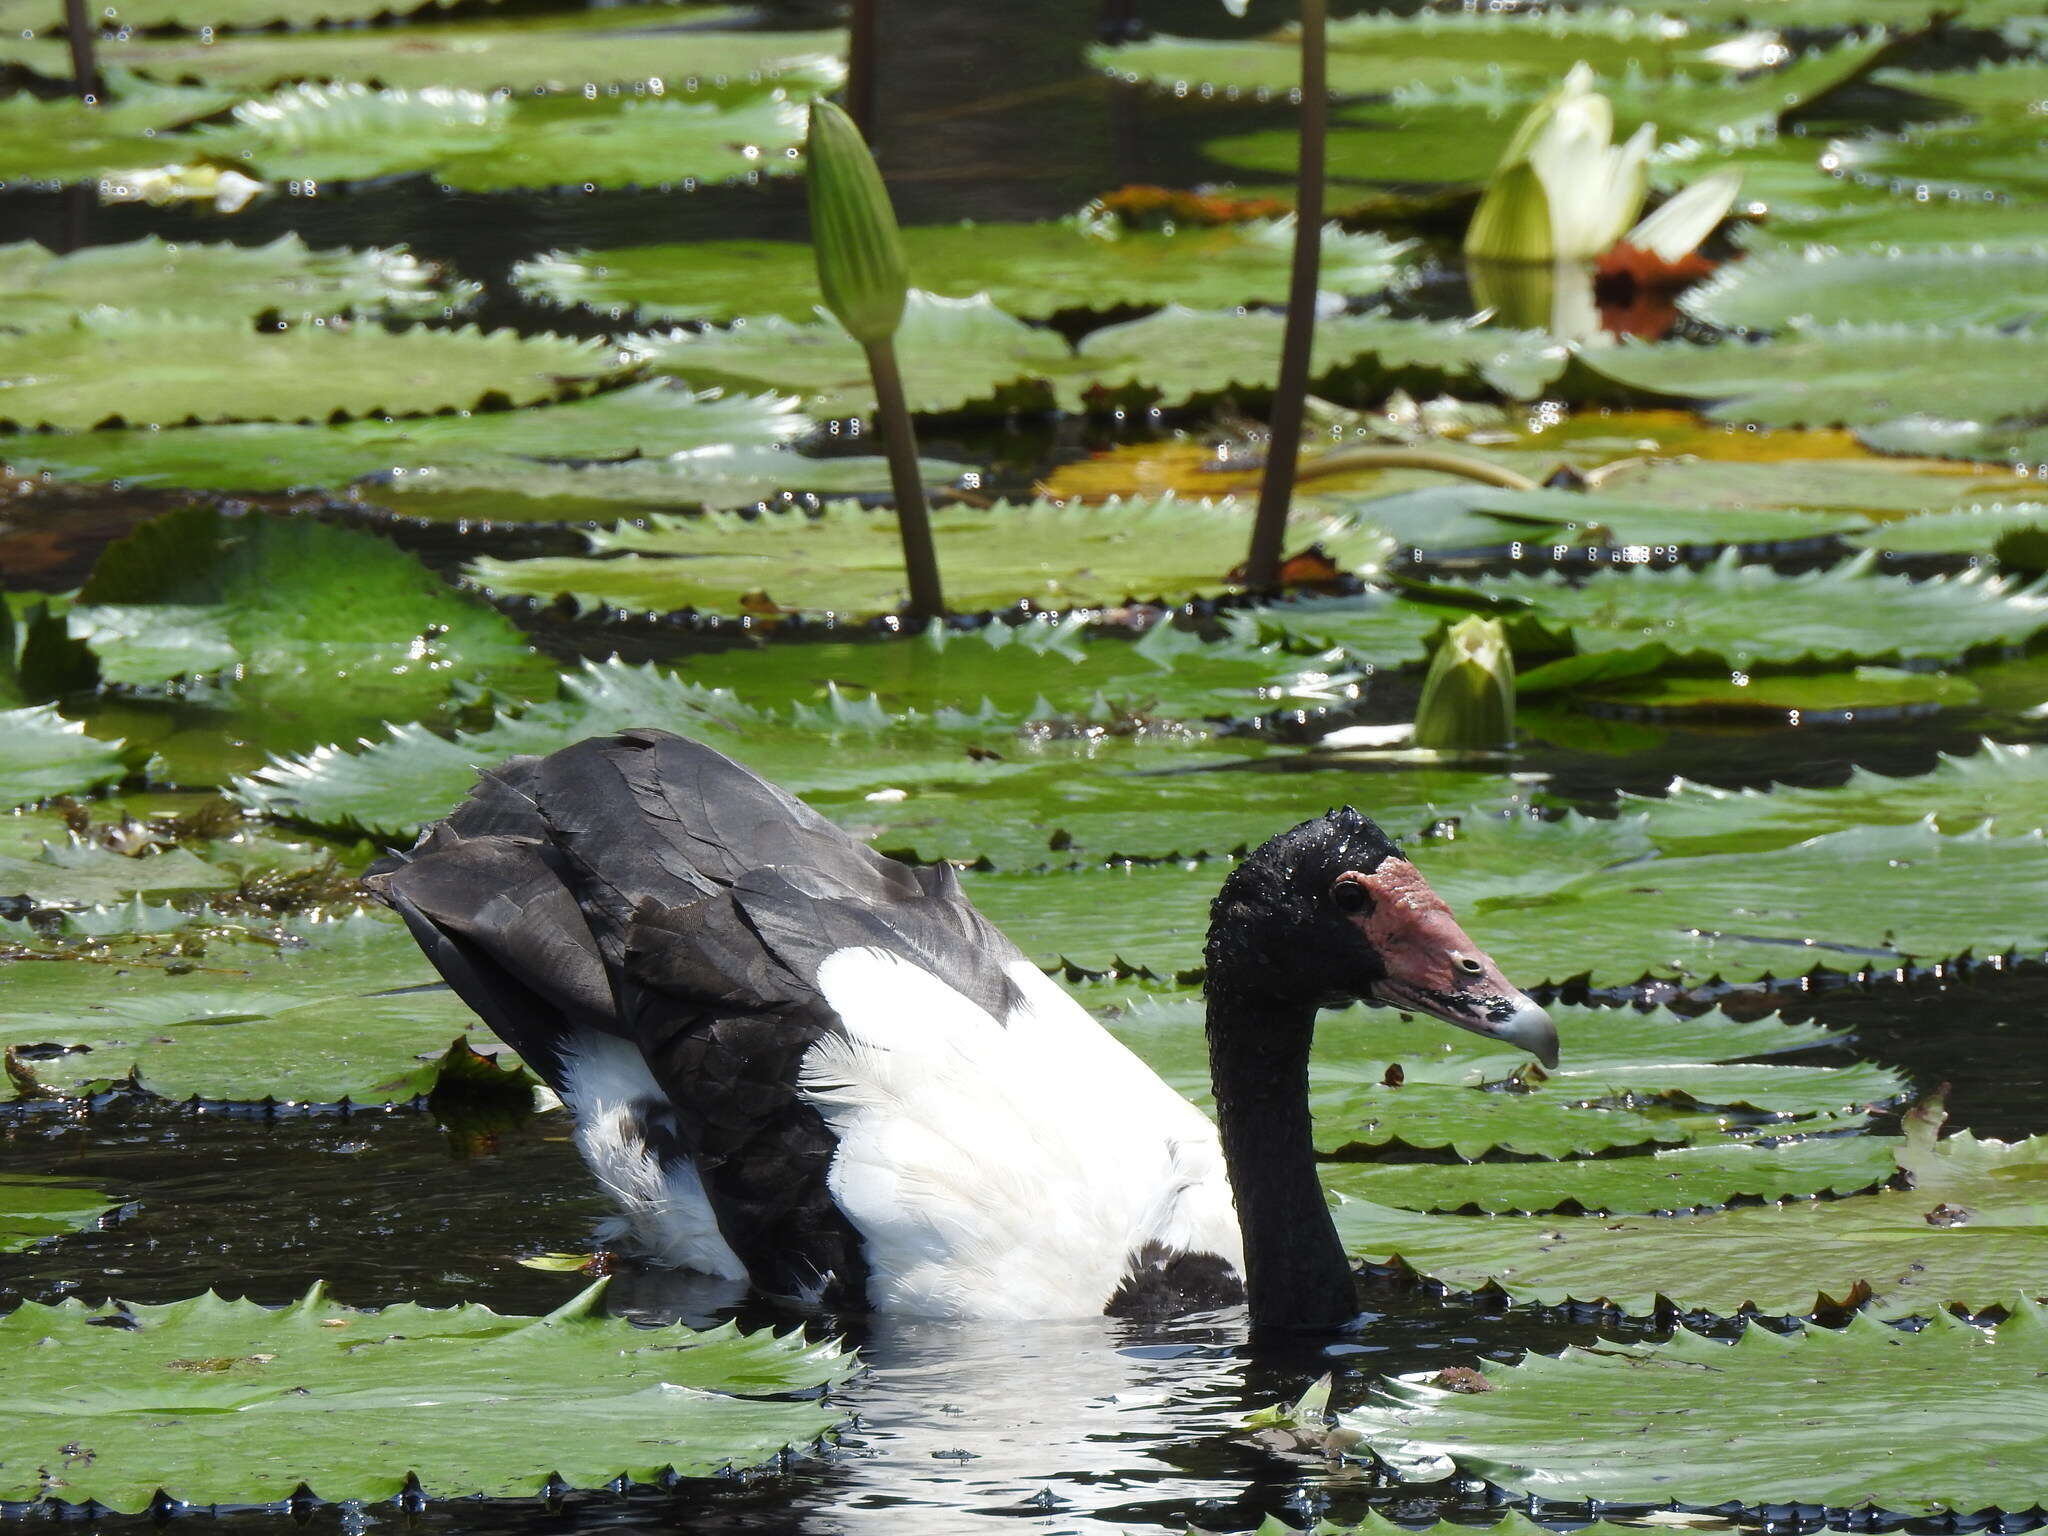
<point>798,1063</point>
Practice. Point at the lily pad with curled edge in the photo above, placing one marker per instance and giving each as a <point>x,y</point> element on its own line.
<point>111,366</point>
<point>395,785</point>
<point>1380,1081</point>
<point>1842,375</point>
<point>1378,629</point>
<point>42,754</point>
<point>1787,698</point>
<point>1818,285</point>
<point>1749,616</point>
<point>677,47</point>
<point>1374,54</point>
<point>1975,529</point>
<point>1848,486</point>
<point>1879,898</point>
<point>1049,668</point>
<point>953,352</point>
<point>208,1401</point>
<point>288,609</point>
<point>1025,269</point>
<point>1966,1232</point>
<point>654,417</point>
<point>2005,786</point>
<point>347,132</point>
<point>1677,1421</point>
<point>1467,515</point>
<point>1677,1179</point>
<point>35,1208</point>
<point>40,289</point>
<point>848,559</point>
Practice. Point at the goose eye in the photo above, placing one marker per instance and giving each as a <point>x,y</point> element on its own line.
<point>1349,896</point>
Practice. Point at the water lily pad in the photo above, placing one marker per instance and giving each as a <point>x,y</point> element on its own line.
<point>1975,529</point>
<point>654,417</point>
<point>291,608</point>
<point>2003,785</point>
<point>165,369</point>
<point>1375,53</point>
<point>1776,698</point>
<point>34,1209</point>
<point>42,754</point>
<point>1844,485</point>
<point>1748,615</point>
<point>848,559</point>
<point>226,282</point>
<point>1823,286</point>
<point>104,853</point>
<point>222,15</point>
<point>1646,1423</point>
<point>347,131</point>
<point>604,46</point>
<point>66,140</point>
<point>716,477</point>
<point>1677,1179</point>
<point>212,1401</point>
<point>1468,516</point>
<point>1033,270</point>
<point>1380,1081</point>
<point>1547,909</point>
<point>394,785</point>
<point>1842,375</point>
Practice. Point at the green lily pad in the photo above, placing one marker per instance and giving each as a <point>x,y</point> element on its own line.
<point>292,607</point>
<point>1464,516</point>
<point>1855,221</point>
<point>1372,54</point>
<point>1647,1423</point>
<point>395,785</point>
<point>66,140</point>
<point>1026,269</point>
<point>1375,628</point>
<point>120,852</point>
<point>1380,1081</point>
<point>1967,530</point>
<point>348,132</point>
<point>1821,286</point>
<point>716,478</point>
<point>1783,698</point>
<point>1539,898</point>
<point>653,417</point>
<point>212,1401</point>
<point>2005,786</point>
<point>224,282</point>
<point>1842,375</point>
<point>849,559</point>
<point>1749,616</point>
<point>966,352</point>
<point>164,369</point>
<point>1846,486</point>
<point>2017,440</point>
<point>629,45</point>
<point>23,16</point>
<point>1677,1179</point>
<point>42,754</point>
<point>34,1209</point>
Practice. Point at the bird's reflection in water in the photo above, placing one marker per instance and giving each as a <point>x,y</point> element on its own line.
<point>1064,1425</point>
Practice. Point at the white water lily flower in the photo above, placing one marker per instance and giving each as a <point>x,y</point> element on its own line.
<point>1565,191</point>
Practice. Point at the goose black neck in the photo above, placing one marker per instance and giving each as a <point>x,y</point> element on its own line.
<point>1296,1275</point>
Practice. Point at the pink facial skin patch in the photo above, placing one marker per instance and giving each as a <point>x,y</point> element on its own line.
<point>1432,963</point>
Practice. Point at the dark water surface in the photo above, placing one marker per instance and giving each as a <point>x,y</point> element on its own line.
<point>1054,1427</point>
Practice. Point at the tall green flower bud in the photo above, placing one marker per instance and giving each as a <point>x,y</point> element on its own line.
<point>853,229</point>
<point>1468,698</point>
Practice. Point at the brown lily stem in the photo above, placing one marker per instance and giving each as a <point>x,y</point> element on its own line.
<point>80,32</point>
<point>1276,491</point>
<point>1342,461</point>
<point>860,68</point>
<point>899,439</point>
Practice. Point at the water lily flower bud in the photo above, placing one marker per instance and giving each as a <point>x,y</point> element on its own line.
<point>1563,191</point>
<point>853,229</point>
<point>1468,698</point>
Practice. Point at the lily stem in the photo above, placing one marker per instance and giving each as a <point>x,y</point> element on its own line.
<point>1276,491</point>
<point>913,520</point>
<point>80,32</point>
<point>860,68</point>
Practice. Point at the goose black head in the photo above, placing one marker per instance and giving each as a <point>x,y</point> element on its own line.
<point>1330,913</point>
